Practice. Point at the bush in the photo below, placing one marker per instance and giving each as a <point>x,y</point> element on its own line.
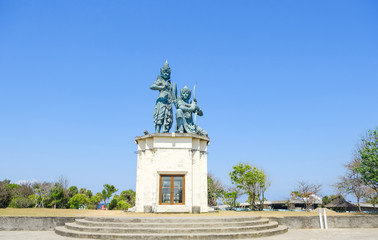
<point>91,206</point>
<point>123,205</point>
<point>21,202</point>
<point>128,196</point>
<point>5,193</point>
<point>78,201</point>
<point>113,204</point>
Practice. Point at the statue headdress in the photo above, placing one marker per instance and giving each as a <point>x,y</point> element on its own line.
<point>166,66</point>
<point>186,89</point>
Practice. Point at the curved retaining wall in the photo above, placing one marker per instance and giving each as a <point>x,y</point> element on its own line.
<point>33,223</point>
<point>299,222</point>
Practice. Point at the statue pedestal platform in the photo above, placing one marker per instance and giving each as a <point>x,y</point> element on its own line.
<point>171,173</point>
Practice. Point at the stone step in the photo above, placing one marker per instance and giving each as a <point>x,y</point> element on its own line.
<point>171,219</point>
<point>169,230</point>
<point>177,224</point>
<point>208,235</point>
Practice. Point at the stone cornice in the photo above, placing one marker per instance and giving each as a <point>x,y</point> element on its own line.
<point>172,135</point>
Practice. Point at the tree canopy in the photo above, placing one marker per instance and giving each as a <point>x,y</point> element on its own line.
<point>369,160</point>
<point>252,181</point>
<point>107,192</point>
<point>214,190</point>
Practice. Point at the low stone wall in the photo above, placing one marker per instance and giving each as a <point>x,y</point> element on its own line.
<point>33,223</point>
<point>300,222</point>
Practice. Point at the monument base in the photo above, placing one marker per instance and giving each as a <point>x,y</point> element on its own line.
<point>171,173</point>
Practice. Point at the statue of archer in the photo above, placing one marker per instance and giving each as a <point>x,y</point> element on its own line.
<point>184,111</point>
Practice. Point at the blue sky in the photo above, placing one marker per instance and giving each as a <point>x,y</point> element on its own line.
<point>288,86</point>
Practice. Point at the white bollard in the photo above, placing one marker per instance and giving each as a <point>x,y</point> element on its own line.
<point>325,219</point>
<point>320,218</point>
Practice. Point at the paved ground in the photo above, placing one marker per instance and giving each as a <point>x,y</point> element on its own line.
<point>329,234</point>
<point>295,234</point>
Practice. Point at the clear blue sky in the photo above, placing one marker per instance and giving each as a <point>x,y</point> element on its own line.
<point>288,86</point>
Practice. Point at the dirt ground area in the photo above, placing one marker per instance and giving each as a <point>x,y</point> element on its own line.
<point>40,212</point>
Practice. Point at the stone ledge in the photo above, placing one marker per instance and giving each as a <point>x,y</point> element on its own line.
<point>172,209</point>
<point>172,135</point>
<point>33,223</point>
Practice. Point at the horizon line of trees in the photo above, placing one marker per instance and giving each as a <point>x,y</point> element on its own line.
<point>59,195</point>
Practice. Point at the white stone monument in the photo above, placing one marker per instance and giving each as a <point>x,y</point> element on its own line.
<point>172,173</point>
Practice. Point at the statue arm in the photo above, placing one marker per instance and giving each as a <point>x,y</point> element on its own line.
<point>186,107</point>
<point>157,86</point>
<point>160,85</point>
<point>197,109</point>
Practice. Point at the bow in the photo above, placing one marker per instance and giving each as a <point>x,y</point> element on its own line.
<point>195,100</point>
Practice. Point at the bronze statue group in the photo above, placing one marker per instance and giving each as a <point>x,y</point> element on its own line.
<point>163,115</point>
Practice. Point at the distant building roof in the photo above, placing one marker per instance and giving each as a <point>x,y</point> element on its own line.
<point>339,202</point>
<point>281,202</point>
<point>317,201</point>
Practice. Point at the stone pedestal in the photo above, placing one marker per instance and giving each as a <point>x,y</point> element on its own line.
<point>171,154</point>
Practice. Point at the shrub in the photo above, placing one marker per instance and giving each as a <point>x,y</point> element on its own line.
<point>123,205</point>
<point>113,204</point>
<point>78,201</point>
<point>21,202</point>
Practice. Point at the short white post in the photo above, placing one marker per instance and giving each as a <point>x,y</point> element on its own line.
<point>320,218</point>
<point>325,219</point>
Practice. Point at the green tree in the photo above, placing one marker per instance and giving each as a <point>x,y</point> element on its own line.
<point>123,205</point>
<point>64,183</point>
<point>56,195</point>
<point>215,190</point>
<point>113,203</point>
<point>86,192</point>
<point>35,199</point>
<point>72,191</point>
<point>372,198</point>
<point>252,181</point>
<point>128,196</point>
<point>5,193</point>
<point>107,192</point>
<point>89,193</point>
<point>21,202</point>
<point>231,195</point>
<point>352,183</point>
<point>21,190</point>
<point>95,200</point>
<point>41,190</point>
<point>369,160</point>
<point>79,200</point>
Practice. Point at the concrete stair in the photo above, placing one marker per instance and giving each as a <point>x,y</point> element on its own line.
<point>171,228</point>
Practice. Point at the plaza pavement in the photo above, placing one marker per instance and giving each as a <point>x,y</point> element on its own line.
<point>292,234</point>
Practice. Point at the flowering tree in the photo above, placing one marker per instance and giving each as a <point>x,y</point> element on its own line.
<point>307,193</point>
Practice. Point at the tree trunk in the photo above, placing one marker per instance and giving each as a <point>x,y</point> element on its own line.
<point>262,200</point>
<point>359,206</point>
